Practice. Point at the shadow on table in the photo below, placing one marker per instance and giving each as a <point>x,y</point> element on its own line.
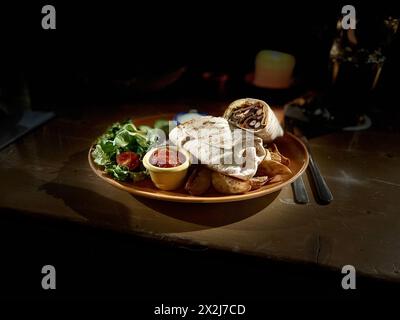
<point>103,210</point>
<point>87,203</point>
<point>210,214</point>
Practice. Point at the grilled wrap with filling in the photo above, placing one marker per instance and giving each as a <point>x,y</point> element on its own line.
<point>255,116</point>
<point>213,142</point>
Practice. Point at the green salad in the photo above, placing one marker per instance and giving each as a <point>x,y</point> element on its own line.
<point>121,148</point>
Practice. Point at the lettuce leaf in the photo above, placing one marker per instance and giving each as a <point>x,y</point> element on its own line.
<point>118,172</point>
<point>99,156</point>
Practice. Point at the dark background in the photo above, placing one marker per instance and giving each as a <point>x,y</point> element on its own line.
<point>77,65</point>
<point>98,44</point>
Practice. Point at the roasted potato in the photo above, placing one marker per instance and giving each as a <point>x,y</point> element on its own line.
<point>199,181</point>
<point>277,156</point>
<point>258,182</point>
<point>229,185</point>
<point>272,168</point>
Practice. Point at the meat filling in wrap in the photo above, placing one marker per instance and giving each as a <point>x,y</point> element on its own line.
<point>249,116</point>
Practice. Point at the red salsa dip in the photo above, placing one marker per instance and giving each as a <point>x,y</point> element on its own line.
<point>167,158</point>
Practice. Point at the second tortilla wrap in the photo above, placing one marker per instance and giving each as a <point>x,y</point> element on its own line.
<point>256,116</point>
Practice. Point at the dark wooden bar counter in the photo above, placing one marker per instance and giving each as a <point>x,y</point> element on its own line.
<point>46,174</point>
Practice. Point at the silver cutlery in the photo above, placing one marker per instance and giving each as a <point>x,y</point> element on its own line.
<point>324,194</point>
<point>299,191</point>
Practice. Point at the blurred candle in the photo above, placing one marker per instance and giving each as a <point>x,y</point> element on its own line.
<point>274,69</point>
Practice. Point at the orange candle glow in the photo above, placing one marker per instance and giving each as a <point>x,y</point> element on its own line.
<point>274,69</point>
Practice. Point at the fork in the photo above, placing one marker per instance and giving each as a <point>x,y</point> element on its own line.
<point>299,190</point>
<point>324,194</point>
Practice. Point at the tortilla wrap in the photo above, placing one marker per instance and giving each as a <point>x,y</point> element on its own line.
<point>212,141</point>
<point>255,116</point>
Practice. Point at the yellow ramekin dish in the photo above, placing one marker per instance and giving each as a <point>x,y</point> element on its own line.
<point>167,178</point>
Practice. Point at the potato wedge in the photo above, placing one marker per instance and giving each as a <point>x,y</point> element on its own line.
<point>258,182</point>
<point>229,185</point>
<point>276,179</point>
<point>272,168</point>
<point>199,181</point>
<point>277,156</point>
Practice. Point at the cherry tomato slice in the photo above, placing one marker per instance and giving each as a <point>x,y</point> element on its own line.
<point>128,159</point>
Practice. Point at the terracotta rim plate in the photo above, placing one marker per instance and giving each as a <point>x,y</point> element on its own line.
<point>288,145</point>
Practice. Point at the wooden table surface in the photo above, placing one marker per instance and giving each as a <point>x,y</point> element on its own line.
<point>46,174</point>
